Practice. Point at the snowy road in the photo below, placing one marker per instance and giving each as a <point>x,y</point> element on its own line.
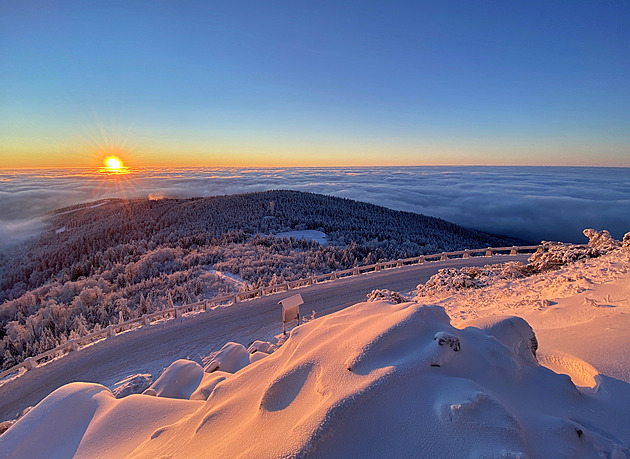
<point>151,348</point>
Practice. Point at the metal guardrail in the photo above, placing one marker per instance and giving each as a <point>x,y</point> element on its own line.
<point>31,363</point>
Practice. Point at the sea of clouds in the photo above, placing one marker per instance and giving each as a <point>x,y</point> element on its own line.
<point>532,203</point>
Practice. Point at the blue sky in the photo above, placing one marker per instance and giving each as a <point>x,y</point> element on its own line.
<point>314,83</point>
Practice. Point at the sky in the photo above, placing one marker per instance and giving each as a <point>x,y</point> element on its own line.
<point>531,203</point>
<point>286,83</point>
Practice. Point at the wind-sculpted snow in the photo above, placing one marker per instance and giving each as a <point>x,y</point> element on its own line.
<point>378,379</point>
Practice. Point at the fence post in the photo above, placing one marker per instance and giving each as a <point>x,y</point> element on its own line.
<point>514,251</point>
<point>378,267</point>
<point>72,345</point>
<point>333,275</point>
<point>355,271</point>
<point>489,252</point>
<point>443,257</point>
<point>145,319</point>
<point>177,312</point>
<point>540,249</point>
<point>111,331</point>
<point>466,254</point>
<point>205,305</point>
<point>421,259</point>
<point>399,264</point>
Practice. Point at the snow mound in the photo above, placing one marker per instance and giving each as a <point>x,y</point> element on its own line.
<point>85,420</point>
<point>511,331</point>
<point>179,380</point>
<point>231,358</point>
<point>262,346</point>
<point>383,379</point>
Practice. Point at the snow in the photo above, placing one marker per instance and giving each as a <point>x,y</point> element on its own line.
<point>86,420</point>
<point>310,235</point>
<point>179,380</point>
<point>233,278</point>
<point>463,371</point>
<point>580,311</point>
<point>231,358</point>
<point>133,384</point>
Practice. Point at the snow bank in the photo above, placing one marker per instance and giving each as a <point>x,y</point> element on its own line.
<point>580,311</point>
<point>384,380</point>
<point>85,420</point>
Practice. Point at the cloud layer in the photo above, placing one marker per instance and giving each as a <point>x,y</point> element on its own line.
<point>533,203</point>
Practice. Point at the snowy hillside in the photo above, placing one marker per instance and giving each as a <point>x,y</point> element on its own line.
<point>119,259</point>
<point>388,379</point>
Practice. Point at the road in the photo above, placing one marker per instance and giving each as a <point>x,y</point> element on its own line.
<point>151,348</point>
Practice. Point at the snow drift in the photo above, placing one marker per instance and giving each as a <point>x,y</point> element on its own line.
<point>378,379</point>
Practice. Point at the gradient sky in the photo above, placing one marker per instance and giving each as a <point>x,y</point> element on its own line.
<point>314,83</point>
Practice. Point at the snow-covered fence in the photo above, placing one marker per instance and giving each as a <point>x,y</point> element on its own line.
<point>177,311</point>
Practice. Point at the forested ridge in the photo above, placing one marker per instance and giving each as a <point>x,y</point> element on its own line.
<point>113,259</point>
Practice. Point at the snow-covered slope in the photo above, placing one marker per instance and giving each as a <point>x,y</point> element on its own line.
<point>385,379</point>
<point>580,312</point>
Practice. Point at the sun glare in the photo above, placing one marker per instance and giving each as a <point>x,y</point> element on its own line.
<point>113,163</point>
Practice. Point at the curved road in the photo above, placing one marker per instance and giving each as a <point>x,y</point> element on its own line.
<point>151,348</point>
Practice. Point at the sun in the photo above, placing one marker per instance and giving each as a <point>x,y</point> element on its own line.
<point>113,163</point>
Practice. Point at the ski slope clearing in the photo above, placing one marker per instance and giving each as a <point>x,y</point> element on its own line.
<point>382,378</point>
<point>310,235</point>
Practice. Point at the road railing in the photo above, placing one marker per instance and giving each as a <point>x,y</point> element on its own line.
<point>31,363</point>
